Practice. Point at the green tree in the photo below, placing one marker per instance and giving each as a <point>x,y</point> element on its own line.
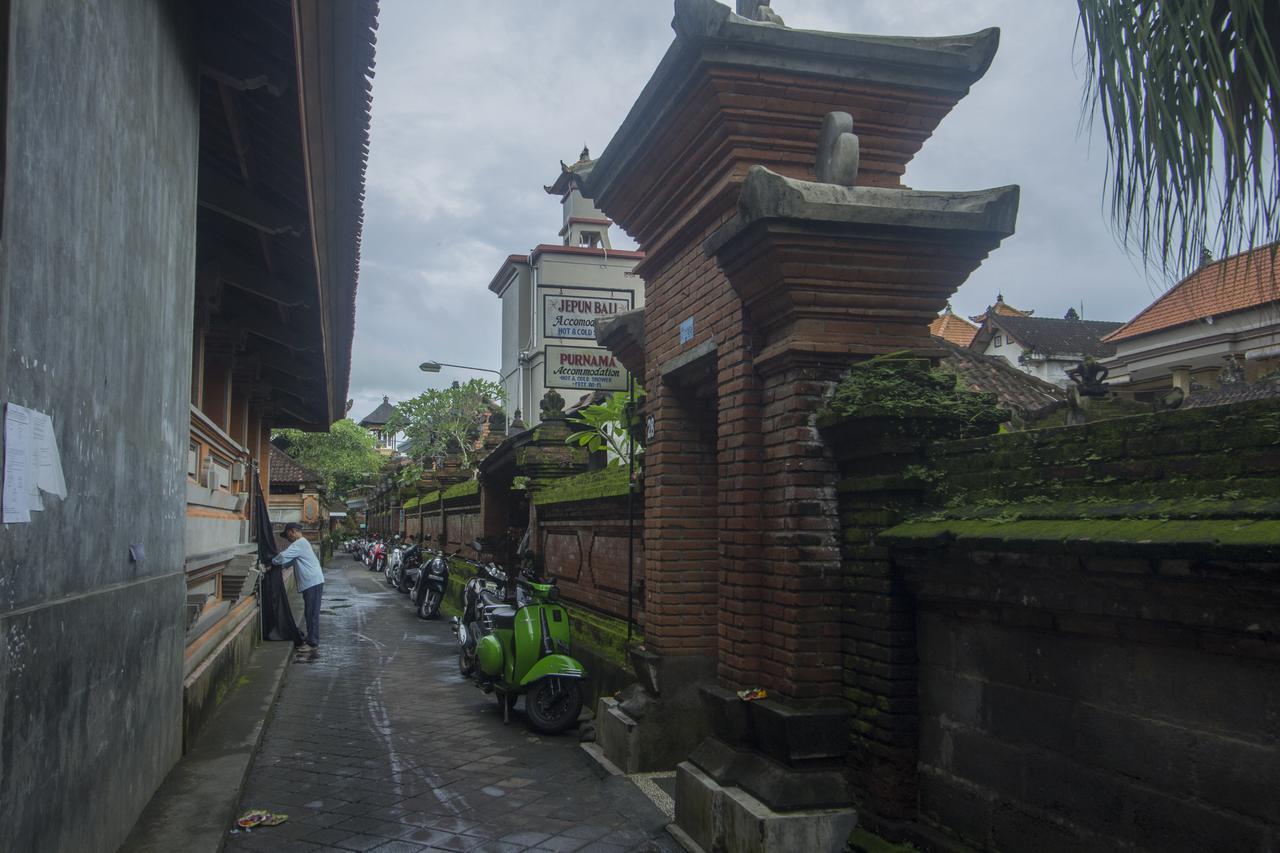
<point>1187,92</point>
<point>345,456</point>
<point>447,421</point>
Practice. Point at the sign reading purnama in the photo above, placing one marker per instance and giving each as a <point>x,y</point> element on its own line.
<point>574,316</point>
<point>584,369</point>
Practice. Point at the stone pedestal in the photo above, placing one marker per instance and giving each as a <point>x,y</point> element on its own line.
<point>712,817</point>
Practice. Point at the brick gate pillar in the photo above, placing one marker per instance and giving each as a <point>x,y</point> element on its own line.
<point>728,499</point>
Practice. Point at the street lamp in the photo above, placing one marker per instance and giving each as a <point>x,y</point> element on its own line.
<point>434,367</point>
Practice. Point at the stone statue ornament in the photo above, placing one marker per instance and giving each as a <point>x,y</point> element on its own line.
<point>1090,378</point>
<point>1088,381</point>
<point>759,10</point>
<point>552,405</point>
<point>838,151</point>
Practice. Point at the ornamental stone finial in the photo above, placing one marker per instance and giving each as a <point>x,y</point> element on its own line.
<point>838,151</point>
<point>759,10</point>
<point>552,406</point>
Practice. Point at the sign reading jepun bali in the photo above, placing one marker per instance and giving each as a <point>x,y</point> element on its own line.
<point>574,317</point>
<point>584,369</point>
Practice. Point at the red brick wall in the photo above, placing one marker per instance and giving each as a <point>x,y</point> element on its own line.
<point>584,546</point>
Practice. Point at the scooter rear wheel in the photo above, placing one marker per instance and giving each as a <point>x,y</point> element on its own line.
<point>553,704</point>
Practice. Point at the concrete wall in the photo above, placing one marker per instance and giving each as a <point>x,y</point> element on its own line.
<point>96,296</point>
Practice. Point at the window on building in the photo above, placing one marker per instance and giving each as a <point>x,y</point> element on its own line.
<point>997,341</point>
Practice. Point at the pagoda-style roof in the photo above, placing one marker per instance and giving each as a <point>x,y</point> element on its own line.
<point>379,416</point>
<point>924,76</point>
<point>572,177</point>
<point>1000,309</point>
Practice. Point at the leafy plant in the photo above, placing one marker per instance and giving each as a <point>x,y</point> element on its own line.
<point>1187,93</point>
<point>344,457</point>
<point>608,426</point>
<point>446,421</point>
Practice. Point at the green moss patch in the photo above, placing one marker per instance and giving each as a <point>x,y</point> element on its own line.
<point>608,483</point>
<point>1260,537</point>
<point>905,386</point>
<point>461,490</point>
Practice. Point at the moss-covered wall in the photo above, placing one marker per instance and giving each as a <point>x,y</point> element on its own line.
<point>1042,629</point>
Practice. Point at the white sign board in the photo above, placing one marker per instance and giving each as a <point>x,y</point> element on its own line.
<point>584,369</point>
<point>573,317</point>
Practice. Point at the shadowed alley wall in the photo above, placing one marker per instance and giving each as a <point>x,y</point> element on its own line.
<point>96,286</point>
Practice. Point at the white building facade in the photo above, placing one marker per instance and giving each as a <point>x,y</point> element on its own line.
<point>552,298</point>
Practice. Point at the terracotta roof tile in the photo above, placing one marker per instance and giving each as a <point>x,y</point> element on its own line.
<point>1232,284</point>
<point>285,469</point>
<point>1000,309</point>
<point>954,328</point>
<point>1023,393</point>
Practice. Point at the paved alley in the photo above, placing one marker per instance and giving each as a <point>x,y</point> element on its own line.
<point>378,744</point>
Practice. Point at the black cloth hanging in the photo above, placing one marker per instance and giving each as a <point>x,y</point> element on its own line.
<point>277,615</point>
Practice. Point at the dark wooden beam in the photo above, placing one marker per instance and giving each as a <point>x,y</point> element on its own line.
<point>286,336</point>
<point>245,275</point>
<point>242,204</point>
<point>231,61</point>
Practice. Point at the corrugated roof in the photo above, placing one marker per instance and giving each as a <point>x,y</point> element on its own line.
<point>1051,337</point>
<point>1221,287</point>
<point>952,327</point>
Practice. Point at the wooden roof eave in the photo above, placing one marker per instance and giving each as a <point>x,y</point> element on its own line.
<point>333,60</point>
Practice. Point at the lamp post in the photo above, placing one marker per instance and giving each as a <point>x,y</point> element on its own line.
<point>434,367</point>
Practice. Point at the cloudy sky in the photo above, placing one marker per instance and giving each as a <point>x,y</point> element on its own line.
<point>476,102</point>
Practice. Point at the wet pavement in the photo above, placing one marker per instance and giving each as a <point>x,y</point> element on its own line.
<point>377,743</point>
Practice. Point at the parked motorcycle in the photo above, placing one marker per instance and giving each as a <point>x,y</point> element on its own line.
<point>377,557</point>
<point>430,582</point>
<point>391,568</point>
<point>522,650</point>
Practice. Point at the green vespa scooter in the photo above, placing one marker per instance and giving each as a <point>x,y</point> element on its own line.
<point>525,650</point>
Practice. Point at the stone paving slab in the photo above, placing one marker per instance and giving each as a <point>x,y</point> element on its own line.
<point>378,744</point>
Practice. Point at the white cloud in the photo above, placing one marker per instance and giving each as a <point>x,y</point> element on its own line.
<point>476,103</point>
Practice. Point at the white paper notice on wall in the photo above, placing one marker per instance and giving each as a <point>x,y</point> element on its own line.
<point>32,463</point>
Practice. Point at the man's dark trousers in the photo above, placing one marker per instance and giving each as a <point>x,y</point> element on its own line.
<point>311,612</point>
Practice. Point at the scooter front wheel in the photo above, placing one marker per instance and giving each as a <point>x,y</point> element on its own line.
<point>553,704</point>
<point>429,605</point>
<point>467,652</point>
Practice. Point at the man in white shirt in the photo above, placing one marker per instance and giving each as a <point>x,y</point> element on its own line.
<point>310,578</point>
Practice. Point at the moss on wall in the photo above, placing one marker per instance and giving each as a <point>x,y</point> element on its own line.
<point>464,489</point>
<point>608,483</point>
<point>906,386</point>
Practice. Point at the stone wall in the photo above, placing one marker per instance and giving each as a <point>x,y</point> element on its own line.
<point>1066,638</point>
<point>96,301</point>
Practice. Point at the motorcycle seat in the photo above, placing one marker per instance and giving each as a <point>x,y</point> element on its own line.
<point>502,616</point>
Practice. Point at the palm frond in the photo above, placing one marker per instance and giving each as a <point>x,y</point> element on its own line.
<point>1186,92</point>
